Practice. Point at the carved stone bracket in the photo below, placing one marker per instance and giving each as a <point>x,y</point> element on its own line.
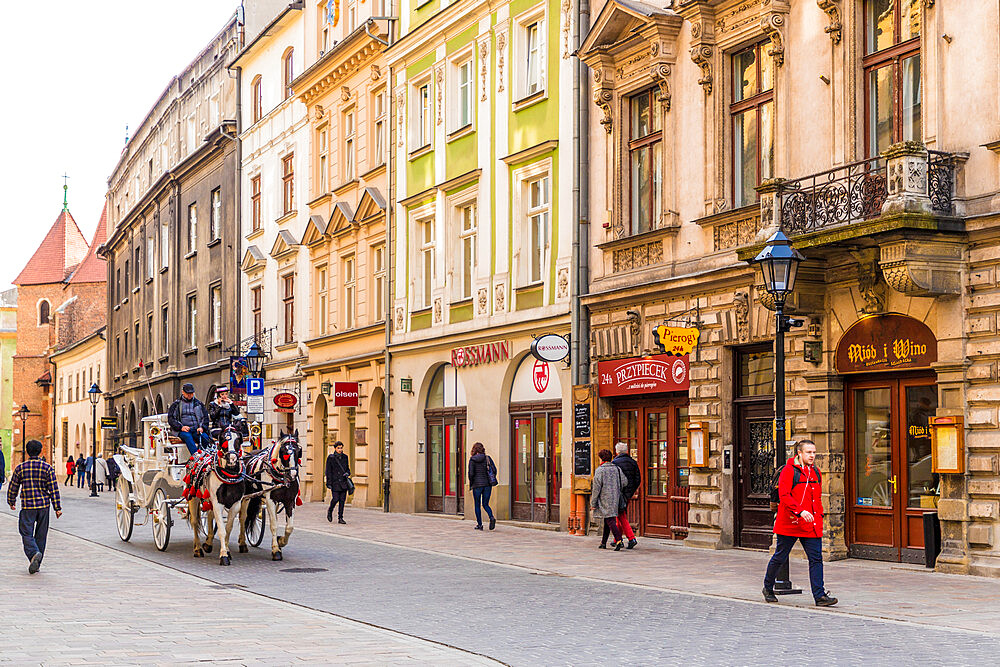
<point>832,9</point>
<point>773,25</point>
<point>566,7</point>
<point>660,73</point>
<point>701,54</point>
<point>870,283</point>
<point>922,268</point>
<point>603,96</point>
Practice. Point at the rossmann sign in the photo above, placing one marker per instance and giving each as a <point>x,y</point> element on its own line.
<point>646,375</point>
<point>485,353</point>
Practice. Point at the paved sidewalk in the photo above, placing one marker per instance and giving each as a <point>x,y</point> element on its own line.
<point>865,588</point>
<point>94,605</point>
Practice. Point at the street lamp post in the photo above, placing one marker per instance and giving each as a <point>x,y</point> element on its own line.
<point>94,394</point>
<point>255,362</point>
<point>23,412</point>
<point>779,263</point>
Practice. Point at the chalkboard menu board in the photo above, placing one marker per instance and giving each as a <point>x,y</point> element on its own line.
<point>581,420</point>
<point>581,457</point>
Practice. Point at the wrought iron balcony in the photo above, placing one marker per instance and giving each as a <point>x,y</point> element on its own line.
<point>858,191</point>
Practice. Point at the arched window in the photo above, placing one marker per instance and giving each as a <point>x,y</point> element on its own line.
<point>255,99</point>
<point>288,72</point>
<point>43,312</point>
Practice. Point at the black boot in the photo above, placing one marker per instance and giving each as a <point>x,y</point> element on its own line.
<point>329,515</point>
<point>769,595</point>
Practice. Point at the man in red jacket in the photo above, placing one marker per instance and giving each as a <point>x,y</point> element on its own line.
<point>799,517</point>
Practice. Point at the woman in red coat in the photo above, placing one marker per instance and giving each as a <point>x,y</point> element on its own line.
<point>800,517</point>
<point>70,467</point>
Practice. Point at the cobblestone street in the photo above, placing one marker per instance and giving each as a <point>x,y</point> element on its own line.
<point>389,589</point>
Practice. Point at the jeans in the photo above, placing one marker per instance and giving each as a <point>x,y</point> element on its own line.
<point>481,500</point>
<point>193,439</point>
<point>69,480</point>
<point>338,500</point>
<point>625,526</point>
<point>813,547</point>
<point>79,479</point>
<point>34,528</point>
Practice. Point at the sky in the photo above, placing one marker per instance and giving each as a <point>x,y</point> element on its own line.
<point>74,75</point>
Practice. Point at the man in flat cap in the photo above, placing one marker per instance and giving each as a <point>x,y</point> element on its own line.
<point>189,419</point>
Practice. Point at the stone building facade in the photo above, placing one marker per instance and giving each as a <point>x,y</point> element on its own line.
<point>890,150</point>
<point>173,240</point>
<point>75,368</point>
<point>8,347</point>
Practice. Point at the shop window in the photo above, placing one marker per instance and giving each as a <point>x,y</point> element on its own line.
<point>752,118</point>
<point>892,73</point>
<point>645,157</point>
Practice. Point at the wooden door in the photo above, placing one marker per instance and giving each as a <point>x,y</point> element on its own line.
<point>890,483</point>
<point>755,470</point>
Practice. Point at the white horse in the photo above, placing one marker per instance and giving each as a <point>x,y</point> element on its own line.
<point>277,468</point>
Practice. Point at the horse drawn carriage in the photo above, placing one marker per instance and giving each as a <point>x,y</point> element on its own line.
<point>151,488</point>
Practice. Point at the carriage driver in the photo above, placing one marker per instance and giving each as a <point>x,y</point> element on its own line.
<point>189,419</point>
<point>222,410</point>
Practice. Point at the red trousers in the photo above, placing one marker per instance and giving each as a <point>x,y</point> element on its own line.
<point>624,526</point>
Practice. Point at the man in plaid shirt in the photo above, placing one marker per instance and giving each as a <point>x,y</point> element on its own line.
<point>37,482</point>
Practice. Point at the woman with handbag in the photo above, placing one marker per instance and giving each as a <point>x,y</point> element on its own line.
<point>606,498</point>
<point>338,480</point>
<point>482,479</point>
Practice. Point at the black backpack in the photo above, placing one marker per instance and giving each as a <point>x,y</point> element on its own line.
<point>775,499</point>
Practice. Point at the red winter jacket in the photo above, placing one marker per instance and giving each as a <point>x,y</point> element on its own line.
<point>70,466</point>
<point>799,489</point>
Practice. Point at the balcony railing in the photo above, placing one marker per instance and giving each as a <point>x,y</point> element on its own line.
<point>856,192</point>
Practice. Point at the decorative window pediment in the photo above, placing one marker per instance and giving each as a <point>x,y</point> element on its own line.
<point>253,260</point>
<point>341,219</point>
<point>372,204</point>
<point>315,230</point>
<point>284,244</point>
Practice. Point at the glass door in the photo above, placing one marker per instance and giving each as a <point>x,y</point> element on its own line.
<point>435,466</point>
<point>536,469</point>
<point>555,466</point>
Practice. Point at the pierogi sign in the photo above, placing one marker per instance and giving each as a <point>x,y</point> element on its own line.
<point>886,343</point>
<point>646,375</point>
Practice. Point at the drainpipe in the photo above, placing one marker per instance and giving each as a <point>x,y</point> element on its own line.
<point>390,265</point>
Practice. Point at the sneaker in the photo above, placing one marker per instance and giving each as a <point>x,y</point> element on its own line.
<point>618,546</point>
<point>36,562</point>
<point>632,543</point>
<point>769,595</point>
<point>826,601</point>
<point>493,523</point>
<point>479,527</point>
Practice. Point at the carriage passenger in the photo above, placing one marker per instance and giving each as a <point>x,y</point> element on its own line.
<point>189,419</point>
<point>222,411</point>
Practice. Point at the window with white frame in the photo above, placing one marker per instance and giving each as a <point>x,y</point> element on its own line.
<point>538,226</point>
<point>349,139</point>
<point>378,283</point>
<point>215,228</point>
<point>466,94</point>
<point>192,227</point>
<point>164,244</point>
<point>323,150</point>
<point>378,129</point>
<point>425,258</point>
<point>467,227</point>
<point>288,307</point>
<point>192,322</point>
<point>534,44</point>
<point>216,313</point>
<point>422,123</point>
<point>350,289</point>
<point>164,328</point>
<point>322,300</point>
<point>150,256</point>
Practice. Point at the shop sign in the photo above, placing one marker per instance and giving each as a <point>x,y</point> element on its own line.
<point>550,347</point>
<point>885,343</point>
<point>285,400</point>
<point>540,376</point>
<point>109,422</point>
<point>346,394</point>
<point>646,375</point>
<point>581,457</point>
<point>485,353</point>
<point>581,420</point>
<point>677,340</point>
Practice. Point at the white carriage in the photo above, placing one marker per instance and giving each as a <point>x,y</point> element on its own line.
<point>151,484</point>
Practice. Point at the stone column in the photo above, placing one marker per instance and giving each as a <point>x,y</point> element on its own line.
<point>770,208</point>
<point>953,505</point>
<point>906,179</point>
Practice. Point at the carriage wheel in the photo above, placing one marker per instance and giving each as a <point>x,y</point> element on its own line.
<point>160,514</point>
<point>124,513</point>
<point>255,527</point>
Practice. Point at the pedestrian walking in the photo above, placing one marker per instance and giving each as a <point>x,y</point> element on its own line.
<point>799,517</point>
<point>89,467</point>
<point>3,465</point>
<point>628,466</point>
<point>70,469</point>
<point>80,469</point>
<point>482,479</point>
<point>606,499</point>
<point>37,483</point>
<point>338,480</point>
<point>101,473</point>
<point>113,472</point>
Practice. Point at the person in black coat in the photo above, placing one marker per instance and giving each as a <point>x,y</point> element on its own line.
<point>634,477</point>
<point>338,474</point>
<point>222,410</point>
<point>480,466</point>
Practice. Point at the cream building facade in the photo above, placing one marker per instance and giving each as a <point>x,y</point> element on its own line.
<point>275,147</point>
<point>75,368</point>
<point>887,130</point>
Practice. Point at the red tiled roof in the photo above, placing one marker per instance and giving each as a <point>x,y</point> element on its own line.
<point>58,255</point>
<point>94,268</point>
